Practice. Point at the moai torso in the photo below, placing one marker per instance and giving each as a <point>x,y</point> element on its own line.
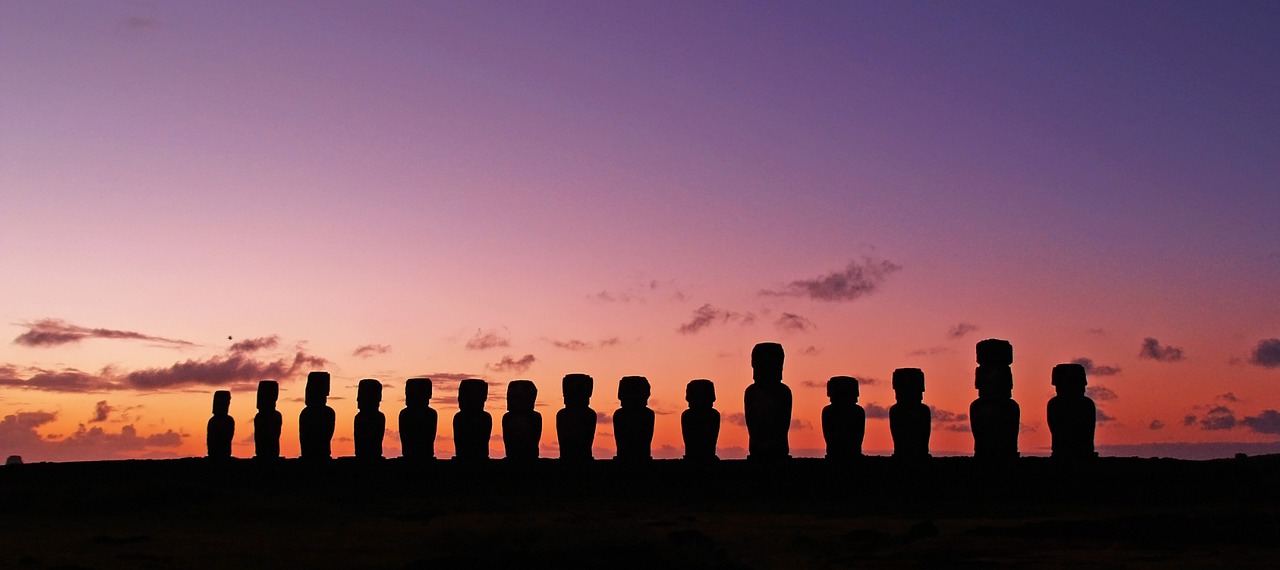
<point>700,424</point>
<point>221,428</point>
<point>767,405</point>
<point>370,423</point>
<point>267,422</point>
<point>472,426</point>
<point>1072,416</point>
<point>844,422</point>
<point>418,421</point>
<point>522,424</point>
<point>633,422</point>
<point>317,420</point>
<point>576,423</point>
<point>909,417</point>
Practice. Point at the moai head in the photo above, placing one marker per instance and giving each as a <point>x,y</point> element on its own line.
<point>221,402</point>
<point>268,393</point>
<point>472,393</point>
<point>577,390</point>
<point>1069,379</point>
<point>908,385</point>
<point>842,390</point>
<point>417,393</point>
<point>993,381</point>
<point>369,395</point>
<point>700,393</point>
<point>995,352</point>
<point>317,388</point>
<point>633,391</point>
<point>766,362</point>
<point>521,395</point>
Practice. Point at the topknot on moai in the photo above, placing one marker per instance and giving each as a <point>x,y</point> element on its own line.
<point>316,422</point>
<point>472,425</point>
<point>221,428</point>
<point>844,422</point>
<point>267,422</point>
<point>1072,415</point>
<point>370,423</point>
<point>767,405</point>
<point>418,421</point>
<point>909,417</point>
<point>633,422</point>
<point>522,424</point>
<point>576,422</point>
<point>700,424</point>
<point>994,417</point>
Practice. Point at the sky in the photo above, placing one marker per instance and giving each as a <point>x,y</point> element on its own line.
<point>197,196</point>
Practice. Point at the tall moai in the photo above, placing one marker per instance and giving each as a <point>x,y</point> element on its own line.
<point>370,423</point>
<point>472,426</point>
<point>994,416</point>
<point>700,424</point>
<point>633,422</point>
<point>267,422</point>
<point>909,417</point>
<point>221,428</point>
<point>576,423</point>
<point>522,424</point>
<point>767,405</point>
<point>844,422</point>
<point>418,421</point>
<point>316,422</point>
<point>1072,415</point>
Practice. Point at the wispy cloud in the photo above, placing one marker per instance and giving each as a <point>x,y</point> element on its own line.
<point>484,340</point>
<point>960,330</point>
<point>512,364</point>
<point>1100,393</point>
<point>856,280</point>
<point>256,344</point>
<point>928,351</point>
<point>56,332</point>
<point>708,315</point>
<point>370,350</point>
<point>101,411</point>
<point>791,322</point>
<point>582,345</point>
<point>1093,369</point>
<point>1153,350</point>
<point>1218,418</point>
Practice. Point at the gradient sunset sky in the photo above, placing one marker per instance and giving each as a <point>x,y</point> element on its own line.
<point>527,189</point>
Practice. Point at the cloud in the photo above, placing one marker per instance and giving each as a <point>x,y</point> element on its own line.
<point>856,280</point>
<point>56,332</point>
<point>19,436</point>
<point>1218,418</point>
<point>582,345</point>
<point>1153,350</point>
<point>1156,425</point>
<point>1189,420</point>
<point>1100,393</point>
<point>799,424</point>
<point>1266,354</point>
<point>370,350</point>
<point>1102,416</point>
<point>876,411</point>
<point>811,351</point>
<point>484,340</point>
<point>256,344</point>
<point>707,315</point>
<point>961,329</point>
<point>1093,369</point>
<point>1228,397</point>
<point>822,384</point>
<point>1267,422</point>
<point>100,412</point>
<point>223,370</point>
<point>737,418</point>
<point>943,416</point>
<point>791,322</point>
<point>514,365</point>
<point>929,351</point>
<point>609,297</point>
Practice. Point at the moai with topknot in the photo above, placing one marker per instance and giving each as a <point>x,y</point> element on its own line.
<point>633,422</point>
<point>370,424</point>
<point>844,422</point>
<point>316,422</point>
<point>909,417</point>
<point>522,424</point>
<point>222,427</point>
<point>767,405</point>
<point>472,426</point>
<point>1072,415</point>
<point>267,422</point>
<point>700,424</point>
<point>418,421</point>
<point>994,417</point>
<point>576,423</point>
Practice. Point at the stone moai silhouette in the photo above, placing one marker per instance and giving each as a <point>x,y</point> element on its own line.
<point>1072,415</point>
<point>909,417</point>
<point>700,424</point>
<point>576,423</point>
<point>370,424</point>
<point>418,421</point>
<point>472,426</point>
<point>522,424</point>
<point>767,405</point>
<point>316,422</point>
<point>633,422</point>
<point>844,422</point>
<point>994,416</point>
<point>267,422</point>
<point>221,428</point>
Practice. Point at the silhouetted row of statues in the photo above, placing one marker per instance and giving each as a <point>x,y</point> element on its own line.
<point>994,417</point>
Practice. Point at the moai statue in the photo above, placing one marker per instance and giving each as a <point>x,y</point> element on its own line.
<point>418,421</point>
<point>633,422</point>
<point>909,418</point>
<point>1072,415</point>
<point>576,423</point>
<point>370,423</point>
<point>221,428</point>
<point>521,425</point>
<point>768,405</point>
<point>315,424</point>
<point>700,424</point>
<point>267,422</point>
<point>844,422</point>
<point>472,425</point>
<point>994,416</point>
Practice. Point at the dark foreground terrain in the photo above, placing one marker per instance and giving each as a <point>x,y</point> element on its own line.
<point>948,512</point>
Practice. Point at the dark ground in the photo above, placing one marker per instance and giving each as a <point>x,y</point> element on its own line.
<point>806,513</point>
